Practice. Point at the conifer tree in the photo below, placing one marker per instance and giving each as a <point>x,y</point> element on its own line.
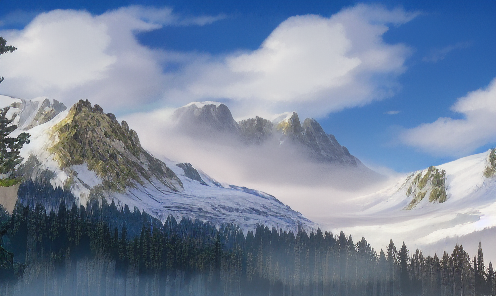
<point>9,147</point>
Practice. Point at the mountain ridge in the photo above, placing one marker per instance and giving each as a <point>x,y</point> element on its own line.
<point>210,119</point>
<point>90,153</point>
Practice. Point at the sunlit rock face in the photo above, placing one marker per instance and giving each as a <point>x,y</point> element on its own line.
<point>318,145</point>
<point>429,183</point>
<point>89,136</point>
<point>490,170</point>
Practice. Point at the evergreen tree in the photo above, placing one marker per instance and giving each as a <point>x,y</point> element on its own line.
<point>403,269</point>
<point>491,281</point>
<point>480,273</point>
<point>9,147</point>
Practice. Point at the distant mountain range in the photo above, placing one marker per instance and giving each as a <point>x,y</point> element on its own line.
<point>211,119</point>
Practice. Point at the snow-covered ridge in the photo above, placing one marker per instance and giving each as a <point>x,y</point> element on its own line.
<point>30,113</point>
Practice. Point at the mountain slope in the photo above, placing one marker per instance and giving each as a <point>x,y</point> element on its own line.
<point>432,208</point>
<point>90,153</point>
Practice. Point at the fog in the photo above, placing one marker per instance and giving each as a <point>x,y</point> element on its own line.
<point>276,167</point>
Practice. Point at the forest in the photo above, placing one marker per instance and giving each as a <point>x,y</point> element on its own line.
<point>103,249</point>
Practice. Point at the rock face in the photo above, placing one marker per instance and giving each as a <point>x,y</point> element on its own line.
<point>490,170</point>
<point>191,172</point>
<point>430,182</point>
<point>111,150</point>
<point>209,118</point>
<point>255,130</point>
<point>318,145</point>
<point>199,118</point>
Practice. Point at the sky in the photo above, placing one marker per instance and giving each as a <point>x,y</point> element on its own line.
<point>402,84</point>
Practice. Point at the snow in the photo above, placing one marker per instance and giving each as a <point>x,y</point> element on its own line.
<point>203,104</point>
<point>469,212</point>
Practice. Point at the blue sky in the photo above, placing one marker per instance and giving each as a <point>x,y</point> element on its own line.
<point>402,84</point>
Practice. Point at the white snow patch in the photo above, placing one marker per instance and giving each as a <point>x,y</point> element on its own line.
<point>203,104</point>
<point>86,176</point>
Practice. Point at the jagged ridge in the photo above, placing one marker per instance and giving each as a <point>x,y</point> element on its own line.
<point>111,150</point>
<point>205,119</point>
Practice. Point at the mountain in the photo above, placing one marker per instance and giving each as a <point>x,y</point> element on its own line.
<point>210,119</point>
<point>90,154</point>
<point>432,209</point>
<point>461,181</point>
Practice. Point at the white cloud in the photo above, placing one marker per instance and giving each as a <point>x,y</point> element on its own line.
<point>70,55</point>
<point>309,63</point>
<point>392,112</point>
<point>457,137</point>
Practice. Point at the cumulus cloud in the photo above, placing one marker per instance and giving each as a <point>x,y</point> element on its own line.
<point>456,137</point>
<point>310,63</point>
<point>70,55</point>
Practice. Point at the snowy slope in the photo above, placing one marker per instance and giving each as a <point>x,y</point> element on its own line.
<point>466,217</point>
<point>204,199</point>
<point>215,202</point>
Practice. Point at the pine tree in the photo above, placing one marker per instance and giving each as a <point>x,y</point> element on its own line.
<point>480,272</point>
<point>9,147</point>
<point>491,280</point>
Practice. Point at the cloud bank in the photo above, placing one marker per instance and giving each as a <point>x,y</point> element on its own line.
<point>458,137</point>
<point>309,63</point>
<point>70,55</point>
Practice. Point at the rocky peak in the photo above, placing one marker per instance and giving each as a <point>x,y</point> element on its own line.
<point>112,150</point>
<point>200,119</point>
<point>196,117</point>
<point>324,146</point>
<point>291,126</point>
